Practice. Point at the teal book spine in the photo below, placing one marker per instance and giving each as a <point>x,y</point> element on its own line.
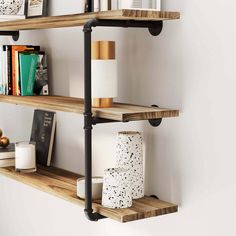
<point>27,66</point>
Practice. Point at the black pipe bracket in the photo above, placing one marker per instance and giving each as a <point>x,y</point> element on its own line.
<point>15,34</point>
<point>155,122</point>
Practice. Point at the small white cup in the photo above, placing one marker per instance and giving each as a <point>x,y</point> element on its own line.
<point>97,183</point>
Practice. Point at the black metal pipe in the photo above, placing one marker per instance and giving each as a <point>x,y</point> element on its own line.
<point>89,121</point>
<point>127,23</point>
<point>15,34</point>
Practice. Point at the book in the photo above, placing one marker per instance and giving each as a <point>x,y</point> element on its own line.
<point>4,70</point>
<point>41,78</point>
<point>8,152</point>
<point>27,66</point>
<point>9,69</point>
<point>15,65</point>
<point>7,162</point>
<point>105,5</point>
<point>42,133</point>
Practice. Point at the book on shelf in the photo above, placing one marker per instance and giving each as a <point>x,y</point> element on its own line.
<point>41,77</point>
<point>43,133</point>
<point>15,65</point>
<point>18,77</point>
<point>7,162</point>
<point>9,69</point>
<point>136,4</point>
<point>28,64</point>
<point>4,70</point>
<point>8,152</point>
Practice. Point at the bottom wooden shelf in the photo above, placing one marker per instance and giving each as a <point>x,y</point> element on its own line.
<point>62,184</point>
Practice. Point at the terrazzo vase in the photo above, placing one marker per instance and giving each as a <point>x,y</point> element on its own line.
<point>129,155</point>
<point>116,188</point>
<point>10,7</point>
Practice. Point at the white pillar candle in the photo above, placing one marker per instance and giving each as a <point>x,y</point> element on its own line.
<point>25,155</point>
<point>129,155</point>
<point>97,183</point>
<point>116,188</point>
<point>104,79</point>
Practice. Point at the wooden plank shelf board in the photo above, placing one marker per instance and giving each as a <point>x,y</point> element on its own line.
<point>62,184</point>
<point>119,111</point>
<point>81,19</point>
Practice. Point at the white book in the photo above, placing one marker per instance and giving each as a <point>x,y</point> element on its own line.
<point>7,162</point>
<point>96,6</point>
<point>114,4</point>
<point>157,5</point>
<point>140,4</point>
<point>104,5</point>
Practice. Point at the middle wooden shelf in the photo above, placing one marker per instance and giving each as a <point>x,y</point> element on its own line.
<point>119,112</point>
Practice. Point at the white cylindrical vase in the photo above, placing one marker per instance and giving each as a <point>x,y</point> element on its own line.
<point>129,155</point>
<point>116,188</point>
<point>25,157</point>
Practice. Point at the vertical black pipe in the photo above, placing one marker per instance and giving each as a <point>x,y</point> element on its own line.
<point>88,120</point>
<point>88,123</point>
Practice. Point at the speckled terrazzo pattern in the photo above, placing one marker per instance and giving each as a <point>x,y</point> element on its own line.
<point>116,188</point>
<point>129,155</point>
<point>10,7</point>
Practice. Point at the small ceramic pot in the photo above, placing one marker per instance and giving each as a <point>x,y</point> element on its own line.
<point>97,183</point>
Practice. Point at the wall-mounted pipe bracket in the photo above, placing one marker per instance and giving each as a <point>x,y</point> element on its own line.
<point>155,122</point>
<point>154,196</point>
<point>15,34</point>
<point>156,29</point>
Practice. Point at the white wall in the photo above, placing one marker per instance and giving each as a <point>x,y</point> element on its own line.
<point>190,160</point>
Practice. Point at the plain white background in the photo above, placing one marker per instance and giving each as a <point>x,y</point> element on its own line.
<point>190,160</point>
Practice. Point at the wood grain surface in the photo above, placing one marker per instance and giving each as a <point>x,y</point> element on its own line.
<point>119,111</point>
<point>62,184</point>
<point>81,19</point>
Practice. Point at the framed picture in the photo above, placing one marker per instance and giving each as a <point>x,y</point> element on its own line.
<point>36,8</point>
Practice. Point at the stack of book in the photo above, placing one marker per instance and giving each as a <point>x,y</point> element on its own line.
<point>106,5</point>
<point>23,70</point>
<point>7,156</point>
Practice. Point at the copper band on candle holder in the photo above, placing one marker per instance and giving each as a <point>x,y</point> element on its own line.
<point>103,50</point>
<point>102,102</point>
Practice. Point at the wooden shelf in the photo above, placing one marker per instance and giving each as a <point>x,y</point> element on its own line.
<point>81,19</point>
<point>62,184</point>
<point>119,111</point>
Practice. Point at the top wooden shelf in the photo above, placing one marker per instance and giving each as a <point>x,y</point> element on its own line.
<point>81,19</point>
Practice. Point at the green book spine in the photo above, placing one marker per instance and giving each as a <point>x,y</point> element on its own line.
<point>28,64</point>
